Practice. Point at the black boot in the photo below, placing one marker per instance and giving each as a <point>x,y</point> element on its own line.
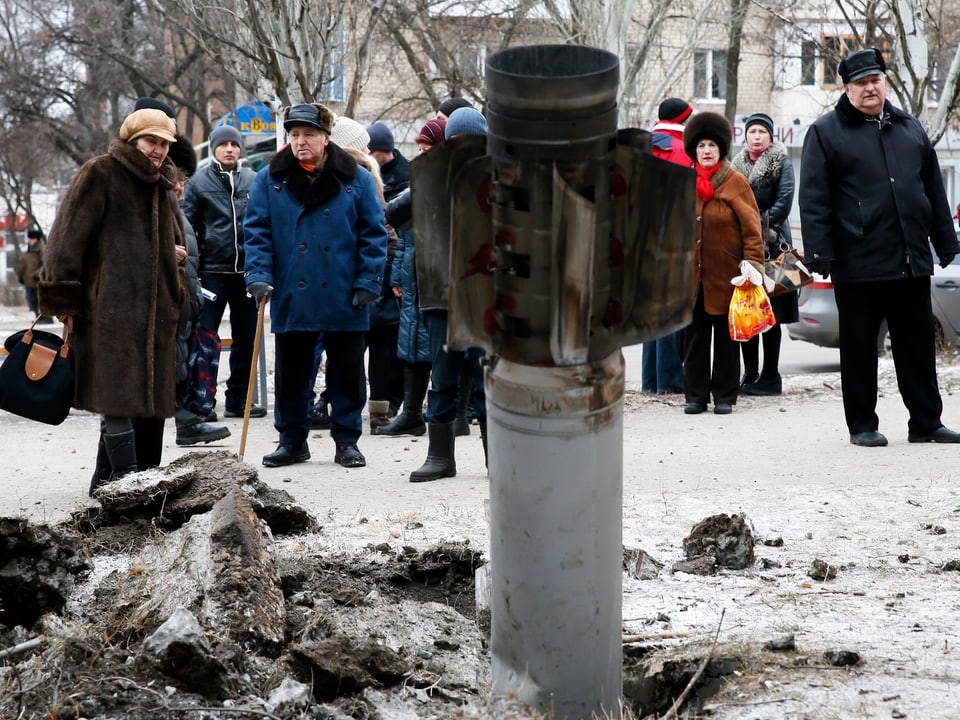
<point>440,462</point>
<point>416,377</point>
<point>766,384</point>
<point>483,439</point>
<point>122,451</point>
<point>101,471</point>
<point>462,426</point>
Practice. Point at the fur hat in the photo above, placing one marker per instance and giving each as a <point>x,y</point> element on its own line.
<point>709,126</point>
<point>150,103</point>
<point>148,121</point>
<point>225,133</point>
<point>450,104</point>
<point>432,131</point>
<point>860,64</point>
<point>465,121</point>
<point>183,155</point>
<point>348,133</point>
<point>674,110</point>
<point>759,119</point>
<point>380,137</point>
<point>311,114</point>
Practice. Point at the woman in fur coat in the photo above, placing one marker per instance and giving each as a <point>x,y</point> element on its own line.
<point>727,232</point>
<point>114,274</point>
<point>769,171</point>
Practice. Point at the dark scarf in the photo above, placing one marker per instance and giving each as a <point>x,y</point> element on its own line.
<point>314,189</point>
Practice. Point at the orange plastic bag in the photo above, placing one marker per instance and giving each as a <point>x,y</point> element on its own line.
<point>750,312</point>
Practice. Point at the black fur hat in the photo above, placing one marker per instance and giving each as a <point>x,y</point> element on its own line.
<point>711,126</point>
<point>183,155</point>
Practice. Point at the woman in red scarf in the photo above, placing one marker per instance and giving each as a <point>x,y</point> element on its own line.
<point>727,232</point>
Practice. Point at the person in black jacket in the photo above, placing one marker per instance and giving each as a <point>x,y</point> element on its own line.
<point>214,203</point>
<point>871,202</point>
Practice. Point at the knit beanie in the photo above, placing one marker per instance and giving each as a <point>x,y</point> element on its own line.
<point>450,104</point>
<point>465,121</point>
<point>674,110</point>
<point>348,133</point>
<point>432,131</point>
<point>380,137</point>
<point>35,234</point>
<point>225,133</point>
<point>707,126</point>
<point>759,119</point>
<point>148,121</point>
<point>183,155</point>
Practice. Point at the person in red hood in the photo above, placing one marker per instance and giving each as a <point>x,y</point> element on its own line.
<point>662,364</point>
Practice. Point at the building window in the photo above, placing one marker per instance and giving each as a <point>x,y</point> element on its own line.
<point>808,63</point>
<point>470,60</point>
<point>710,74</point>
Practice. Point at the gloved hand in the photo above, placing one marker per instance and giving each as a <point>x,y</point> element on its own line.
<point>821,267</point>
<point>259,290</point>
<point>947,259</point>
<point>363,297</point>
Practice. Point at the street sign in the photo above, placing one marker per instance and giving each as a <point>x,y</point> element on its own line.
<point>252,118</point>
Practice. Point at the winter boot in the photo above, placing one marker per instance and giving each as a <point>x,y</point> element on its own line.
<point>766,384</point>
<point>122,451</point>
<point>483,439</point>
<point>379,414</point>
<point>462,423</point>
<point>440,462</point>
<point>410,420</point>
<point>101,471</point>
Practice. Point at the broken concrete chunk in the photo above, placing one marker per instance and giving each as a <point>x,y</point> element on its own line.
<point>179,649</point>
<point>841,658</point>
<point>701,565</point>
<point>288,695</point>
<point>728,538</point>
<point>640,564</point>
<point>781,643</point>
<point>821,570</point>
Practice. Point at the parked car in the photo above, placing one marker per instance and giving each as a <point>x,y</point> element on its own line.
<point>818,310</point>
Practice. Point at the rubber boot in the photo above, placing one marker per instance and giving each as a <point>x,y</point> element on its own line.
<point>379,414</point>
<point>462,426</point>
<point>440,462</point>
<point>410,420</point>
<point>122,451</point>
<point>483,439</point>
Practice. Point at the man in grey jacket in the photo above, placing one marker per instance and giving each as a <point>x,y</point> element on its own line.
<point>214,203</point>
<point>871,203</point>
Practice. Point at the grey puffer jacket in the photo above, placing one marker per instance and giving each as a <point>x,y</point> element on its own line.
<point>214,202</point>
<point>872,197</point>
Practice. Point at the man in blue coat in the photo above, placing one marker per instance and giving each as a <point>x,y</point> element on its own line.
<point>316,245</point>
<point>871,204</point>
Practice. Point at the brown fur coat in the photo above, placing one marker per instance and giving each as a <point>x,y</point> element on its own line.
<point>728,231</point>
<point>110,263</point>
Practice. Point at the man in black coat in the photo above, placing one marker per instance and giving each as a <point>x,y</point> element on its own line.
<point>871,203</point>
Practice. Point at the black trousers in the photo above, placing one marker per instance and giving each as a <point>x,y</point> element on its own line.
<point>701,379</point>
<point>906,306</point>
<point>346,384</point>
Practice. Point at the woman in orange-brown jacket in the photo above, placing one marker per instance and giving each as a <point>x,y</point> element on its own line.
<point>727,232</point>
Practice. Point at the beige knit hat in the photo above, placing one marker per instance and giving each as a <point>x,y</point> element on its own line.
<point>148,121</point>
<point>348,133</point>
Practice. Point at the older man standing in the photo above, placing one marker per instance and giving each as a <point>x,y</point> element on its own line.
<point>871,203</point>
<point>316,243</point>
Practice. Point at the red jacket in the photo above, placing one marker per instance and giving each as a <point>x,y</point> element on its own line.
<point>668,143</point>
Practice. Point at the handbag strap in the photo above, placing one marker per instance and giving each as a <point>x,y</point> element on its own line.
<point>64,349</point>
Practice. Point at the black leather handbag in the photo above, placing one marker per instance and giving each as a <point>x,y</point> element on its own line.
<point>36,378</point>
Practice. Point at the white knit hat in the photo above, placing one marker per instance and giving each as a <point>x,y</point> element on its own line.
<point>349,133</point>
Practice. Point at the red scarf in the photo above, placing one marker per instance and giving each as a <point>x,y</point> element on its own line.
<point>704,186</point>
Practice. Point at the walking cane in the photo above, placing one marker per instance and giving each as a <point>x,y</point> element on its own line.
<point>253,377</point>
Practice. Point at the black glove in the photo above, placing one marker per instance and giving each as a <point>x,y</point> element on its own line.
<point>947,259</point>
<point>259,290</point>
<point>363,297</point>
<point>821,267</point>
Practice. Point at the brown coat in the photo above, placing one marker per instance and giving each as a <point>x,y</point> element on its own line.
<point>110,263</point>
<point>29,266</point>
<point>728,231</point>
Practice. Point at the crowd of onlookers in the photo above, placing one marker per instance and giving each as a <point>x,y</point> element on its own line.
<point>145,248</point>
